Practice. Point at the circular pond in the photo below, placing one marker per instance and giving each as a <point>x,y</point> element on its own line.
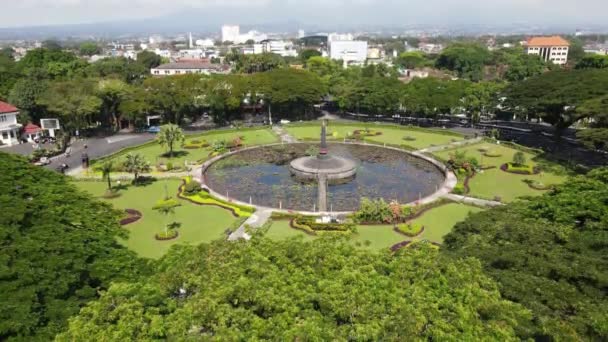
<point>262,175</point>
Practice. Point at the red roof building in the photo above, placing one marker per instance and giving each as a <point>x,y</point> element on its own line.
<point>9,127</point>
<point>31,128</point>
<point>7,108</point>
<point>550,49</point>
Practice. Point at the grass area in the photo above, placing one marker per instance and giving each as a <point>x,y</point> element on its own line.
<point>491,183</point>
<point>281,230</point>
<point>376,237</point>
<point>439,222</point>
<point>154,153</point>
<point>198,223</point>
<point>390,135</point>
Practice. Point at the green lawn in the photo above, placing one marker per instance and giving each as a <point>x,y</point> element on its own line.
<point>491,183</point>
<point>439,221</point>
<point>199,223</point>
<point>390,135</point>
<point>153,152</point>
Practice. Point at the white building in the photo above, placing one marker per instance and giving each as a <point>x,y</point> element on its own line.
<point>205,43</point>
<point>279,47</point>
<point>230,33</point>
<point>9,127</point>
<point>351,52</point>
<point>553,49</point>
<point>301,34</point>
<point>184,68</point>
<point>339,37</point>
<point>163,53</point>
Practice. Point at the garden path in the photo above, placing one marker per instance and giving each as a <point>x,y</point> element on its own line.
<point>285,137</point>
<point>472,200</point>
<point>255,221</point>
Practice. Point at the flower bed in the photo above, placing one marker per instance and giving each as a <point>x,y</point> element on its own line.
<point>170,235</point>
<point>400,245</point>
<point>367,133</point>
<point>409,229</point>
<point>195,144</point>
<point>205,198</point>
<point>309,225</point>
<point>132,217</point>
<point>519,170</point>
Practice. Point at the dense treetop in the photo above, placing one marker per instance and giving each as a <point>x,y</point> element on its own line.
<point>549,254</point>
<point>291,290</point>
<point>58,249</point>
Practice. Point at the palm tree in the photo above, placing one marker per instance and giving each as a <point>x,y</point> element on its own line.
<point>167,207</point>
<point>169,135</point>
<point>136,164</point>
<point>106,170</point>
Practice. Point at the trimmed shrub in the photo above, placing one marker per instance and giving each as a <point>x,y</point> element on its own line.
<point>409,138</point>
<point>410,229</point>
<point>459,189</point>
<point>309,224</point>
<point>166,236</point>
<point>192,187</point>
<point>519,158</point>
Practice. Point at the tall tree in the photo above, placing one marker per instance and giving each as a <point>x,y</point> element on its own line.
<point>170,135</point>
<point>59,249</point>
<point>148,59</point>
<point>555,264</point>
<point>112,92</point>
<point>89,49</point>
<point>136,164</point>
<point>292,290</point>
<point>467,60</point>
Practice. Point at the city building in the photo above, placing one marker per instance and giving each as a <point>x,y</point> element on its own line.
<point>230,33</point>
<point>9,127</point>
<point>553,49</point>
<point>340,37</point>
<point>350,52</point>
<point>32,132</point>
<point>189,67</point>
<point>205,43</point>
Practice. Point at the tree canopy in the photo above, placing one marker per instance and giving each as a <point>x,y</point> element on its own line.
<point>549,254</point>
<point>292,290</point>
<point>58,249</point>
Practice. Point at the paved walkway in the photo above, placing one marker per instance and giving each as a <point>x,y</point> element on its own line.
<point>285,137</point>
<point>255,221</point>
<point>451,145</point>
<point>473,201</point>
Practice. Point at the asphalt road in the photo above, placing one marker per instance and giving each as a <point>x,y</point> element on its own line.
<point>96,148</point>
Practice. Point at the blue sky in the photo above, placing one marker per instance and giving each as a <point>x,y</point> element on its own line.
<point>394,12</point>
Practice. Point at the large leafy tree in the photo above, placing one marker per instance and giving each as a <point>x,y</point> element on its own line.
<point>26,94</point>
<point>555,96</point>
<point>58,248</point>
<point>431,96</point>
<point>112,93</point>
<point>481,98</point>
<point>73,102</point>
<point>549,254</point>
<point>89,49</point>
<point>149,59</point>
<point>467,60</point>
<point>291,290</point>
<point>258,63</point>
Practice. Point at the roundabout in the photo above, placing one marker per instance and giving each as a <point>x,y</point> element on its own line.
<point>286,178</point>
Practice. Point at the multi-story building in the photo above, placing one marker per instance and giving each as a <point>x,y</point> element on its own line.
<point>231,33</point>
<point>9,127</point>
<point>350,52</point>
<point>551,49</point>
<point>189,67</point>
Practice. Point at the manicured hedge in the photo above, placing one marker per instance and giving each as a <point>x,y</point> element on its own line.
<point>309,225</point>
<point>519,169</point>
<point>409,229</point>
<point>205,198</point>
<point>170,235</point>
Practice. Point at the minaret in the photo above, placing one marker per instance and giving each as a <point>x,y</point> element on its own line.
<point>323,148</point>
<point>190,41</point>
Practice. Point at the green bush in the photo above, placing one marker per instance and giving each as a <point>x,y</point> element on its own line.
<point>410,229</point>
<point>192,187</point>
<point>374,211</point>
<point>169,166</point>
<point>308,223</point>
<point>409,138</point>
<point>459,189</point>
<point>519,158</point>
<point>168,235</point>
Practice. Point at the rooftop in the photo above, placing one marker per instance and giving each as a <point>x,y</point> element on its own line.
<point>192,65</point>
<point>7,108</point>
<point>548,41</point>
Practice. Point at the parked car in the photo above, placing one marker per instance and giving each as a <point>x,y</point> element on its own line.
<point>43,161</point>
<point>153,129</point>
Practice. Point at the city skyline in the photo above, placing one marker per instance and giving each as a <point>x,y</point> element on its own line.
<point>28,13</point>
